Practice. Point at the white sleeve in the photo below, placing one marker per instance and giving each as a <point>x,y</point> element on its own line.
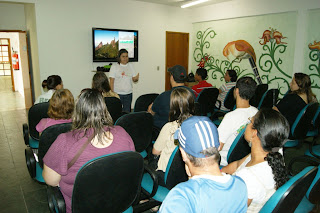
<point>254,187</point>
<point>224,129</point>
<point>113,69</point>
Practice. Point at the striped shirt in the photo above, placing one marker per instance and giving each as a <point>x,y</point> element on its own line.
<point>224,90</point>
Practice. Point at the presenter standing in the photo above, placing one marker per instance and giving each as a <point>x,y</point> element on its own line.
<point>121,76</point>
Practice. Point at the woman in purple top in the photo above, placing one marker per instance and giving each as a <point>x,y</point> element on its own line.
<point>60,110</point>
<point>91,119</point>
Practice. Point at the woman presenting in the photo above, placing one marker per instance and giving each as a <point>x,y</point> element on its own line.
<point>121,76</point>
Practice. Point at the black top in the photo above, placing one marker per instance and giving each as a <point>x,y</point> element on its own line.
<point>290,107</point>
<point>161,107</point>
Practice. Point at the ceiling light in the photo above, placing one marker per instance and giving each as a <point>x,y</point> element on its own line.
<point>193,3</point>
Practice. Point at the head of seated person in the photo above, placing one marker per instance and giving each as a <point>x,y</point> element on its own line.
<point>178,75</point>
<point>245,88</point>
<point>60,110</point>
<point>54,82</point>
<point>301,85</point>
<point>100,82</point>
<point>201,74</point>
<point>230,76</point>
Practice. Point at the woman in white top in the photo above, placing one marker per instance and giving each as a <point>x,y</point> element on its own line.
<point>54,82</point>
<point>121,76</point>
<point>181,108</point>
<point>264,169</point>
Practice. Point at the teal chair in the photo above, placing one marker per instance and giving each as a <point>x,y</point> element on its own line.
<point>289,195</point>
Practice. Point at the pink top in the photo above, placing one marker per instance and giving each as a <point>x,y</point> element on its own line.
<point>46,122</point>
<point>65,148</point>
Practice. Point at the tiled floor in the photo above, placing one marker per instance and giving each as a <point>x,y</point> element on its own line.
<point>18,192</point>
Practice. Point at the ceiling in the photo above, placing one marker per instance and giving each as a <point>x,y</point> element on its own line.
<point>178,3</point>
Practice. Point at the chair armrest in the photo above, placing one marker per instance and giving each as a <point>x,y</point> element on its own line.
<point>30,161</point>
<point>305,159</point>
<point>25,132</point>
<point>154,177</point>
<point>55,200</point>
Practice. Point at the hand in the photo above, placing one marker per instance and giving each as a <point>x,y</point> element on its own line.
<point>135,78</point>
<point>150,109</point>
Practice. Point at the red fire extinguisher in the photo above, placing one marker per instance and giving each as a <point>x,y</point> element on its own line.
<point>15,61</point>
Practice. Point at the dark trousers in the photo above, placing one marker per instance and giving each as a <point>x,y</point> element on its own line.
<point>126,101</point>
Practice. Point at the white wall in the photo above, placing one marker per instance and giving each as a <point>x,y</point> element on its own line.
<point>243,8</point>
<point>12,16</point>
<point>64,31</point>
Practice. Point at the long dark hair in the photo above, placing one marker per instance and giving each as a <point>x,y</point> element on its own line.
<point>272,130</point>
<point>91,113</point>
<point>181,105</point>
<point>100,82</point>
<point>304,83</point>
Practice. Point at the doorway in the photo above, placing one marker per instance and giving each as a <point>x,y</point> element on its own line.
<point>177,52</point>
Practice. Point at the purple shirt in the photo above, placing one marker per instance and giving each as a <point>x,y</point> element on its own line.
<point>65,148</point>
<point>46,122</point>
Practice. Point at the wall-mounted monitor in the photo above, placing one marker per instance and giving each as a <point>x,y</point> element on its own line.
<point>107,43</point>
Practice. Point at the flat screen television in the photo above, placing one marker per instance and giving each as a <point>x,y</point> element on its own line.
<point>107,43</point>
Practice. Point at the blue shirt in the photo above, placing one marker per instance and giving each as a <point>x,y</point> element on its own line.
<point>161,107</point>
<point>206,195</point>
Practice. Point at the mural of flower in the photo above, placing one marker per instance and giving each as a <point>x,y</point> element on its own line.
<point>314,56</point>
<point>270,35</point>
<point>314,46</point>
<point>203,61</point>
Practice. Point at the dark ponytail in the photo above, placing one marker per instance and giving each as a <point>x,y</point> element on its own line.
<point>272,129</point>
<point>279,171</point>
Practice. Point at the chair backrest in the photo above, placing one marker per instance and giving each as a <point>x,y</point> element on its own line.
<point>316,118</point>
<point>313,193</point>
<point>269,99</point>
<point>114,106</point>
<point>207,99</point>
<point>139,126</point>
<point>302,123</point>
<point>48,136</point>
<point>239,148</point>
<point>144,101</point>
<point>175,171</point>
<point>260,90</point>
<point>229,101</point>
<point>288,196</point>
<point>35,114</point>
<point>109,183</point>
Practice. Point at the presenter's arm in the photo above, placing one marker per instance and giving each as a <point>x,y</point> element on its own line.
<point>50,176</point>
<point>135,78</point>
<point>112,84</point>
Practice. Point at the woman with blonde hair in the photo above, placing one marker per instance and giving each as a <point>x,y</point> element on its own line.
<point>92,136</point>
<point>100,82</point>
<point>60,110</point>
<point>181,108</point>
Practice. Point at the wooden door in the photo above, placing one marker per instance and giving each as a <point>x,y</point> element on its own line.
<point>5,59</point>
<point>177,52</point>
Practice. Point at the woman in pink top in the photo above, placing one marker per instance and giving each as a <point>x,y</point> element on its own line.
<point>92,129</point>
<point>61,107</point>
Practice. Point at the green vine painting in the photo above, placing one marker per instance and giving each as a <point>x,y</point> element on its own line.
<point>314,56</point>
<point>216,66</point>
<point>270,61</point>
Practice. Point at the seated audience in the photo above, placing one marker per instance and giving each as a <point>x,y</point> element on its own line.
<point>161,106</point>
<point>181,108</point>
<point>200,76</point>
<point>60,110</point>
<point>54,83</point>
<point>92,135</point>
<point>299,96</point>
<point>100,82</point>
<point>234,121</point>
<point>208,189</point>
<point>230,77</point>
<point>264,169</point>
